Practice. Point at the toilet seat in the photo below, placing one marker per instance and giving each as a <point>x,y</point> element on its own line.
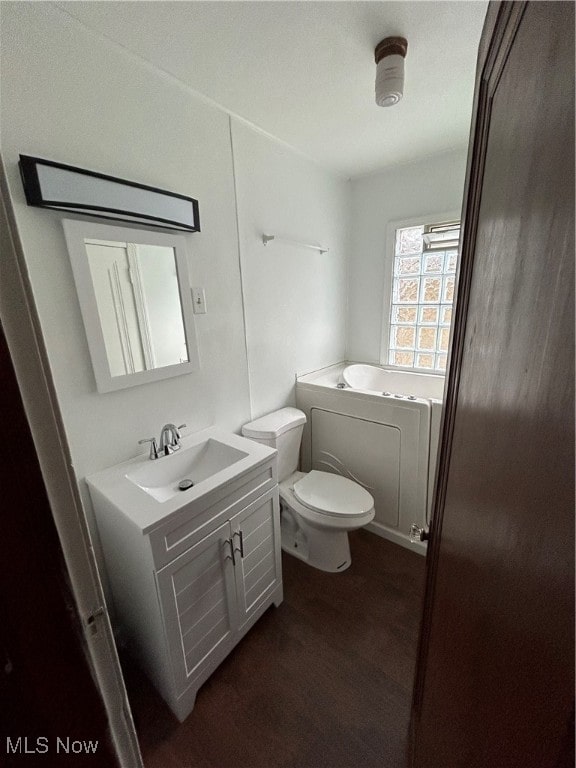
<point>319,537</point>
<point>332,495</point>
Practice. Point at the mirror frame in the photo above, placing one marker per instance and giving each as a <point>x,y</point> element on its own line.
<point>75,232</point>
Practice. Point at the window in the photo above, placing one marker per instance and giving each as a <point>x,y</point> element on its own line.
<point>424,273</point>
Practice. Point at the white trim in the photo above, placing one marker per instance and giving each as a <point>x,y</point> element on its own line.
<point>141,306</point>
<point>240,241</point>
<point>121,321</point>
<point>389,250</point>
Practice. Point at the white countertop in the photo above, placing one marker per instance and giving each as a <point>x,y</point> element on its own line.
<point>143,509</point>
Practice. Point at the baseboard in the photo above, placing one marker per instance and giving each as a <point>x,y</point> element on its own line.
<point>420,547</point>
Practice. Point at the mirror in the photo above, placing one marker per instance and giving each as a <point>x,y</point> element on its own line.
<point>136,288</point>
<point>134,293</point>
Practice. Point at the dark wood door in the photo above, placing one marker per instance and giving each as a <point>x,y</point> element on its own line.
<point>495,681</point>
<point>50,706</point>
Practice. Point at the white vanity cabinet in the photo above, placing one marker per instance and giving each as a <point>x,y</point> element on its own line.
<point>213,592</point>
<point>186,589</point>
<point>256,533</point>
<point>197,596</point>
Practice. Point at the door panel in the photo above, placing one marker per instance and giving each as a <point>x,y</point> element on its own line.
<point>116,306</point>
<point>495,680</point>
<point>197,595</point>
<point>47,683</point>
<point>258,555</point>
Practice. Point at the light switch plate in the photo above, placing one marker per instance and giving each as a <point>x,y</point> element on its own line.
<point>199,301</point>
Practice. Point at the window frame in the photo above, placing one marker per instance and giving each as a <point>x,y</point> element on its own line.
<point>389,253</point>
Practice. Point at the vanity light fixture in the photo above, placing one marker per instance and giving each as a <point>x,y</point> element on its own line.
<point>389,56</point>
<point>75,190</point>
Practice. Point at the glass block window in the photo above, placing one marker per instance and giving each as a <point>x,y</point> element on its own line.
<point>422,295</point>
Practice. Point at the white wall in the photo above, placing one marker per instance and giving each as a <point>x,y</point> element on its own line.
<point>433,186</point>
<point>72,96</point>
<point>68,96</point>
<point>295,298</point>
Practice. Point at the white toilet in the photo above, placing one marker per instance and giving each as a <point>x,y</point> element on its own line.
<point>317,508</point>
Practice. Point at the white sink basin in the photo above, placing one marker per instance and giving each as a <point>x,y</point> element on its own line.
<point>161,477</point>
<point>147,493</point>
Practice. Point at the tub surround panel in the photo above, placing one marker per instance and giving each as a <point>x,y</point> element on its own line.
<point>370,456</point>
<point>365,436</point>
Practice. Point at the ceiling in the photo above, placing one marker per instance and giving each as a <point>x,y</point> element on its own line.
<point>304,71</point>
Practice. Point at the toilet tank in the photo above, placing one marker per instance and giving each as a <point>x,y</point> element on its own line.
<point>281,430</point>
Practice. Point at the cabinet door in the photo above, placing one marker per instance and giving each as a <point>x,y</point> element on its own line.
<point>256,536</point>
<point>197,595</point>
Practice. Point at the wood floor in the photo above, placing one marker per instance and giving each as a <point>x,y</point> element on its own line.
<point>323,680</point>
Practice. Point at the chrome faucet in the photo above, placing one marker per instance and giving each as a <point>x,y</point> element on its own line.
<point>169,439</point>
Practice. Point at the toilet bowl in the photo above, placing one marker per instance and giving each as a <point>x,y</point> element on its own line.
<point>324,507</point>
<point>317,508</point>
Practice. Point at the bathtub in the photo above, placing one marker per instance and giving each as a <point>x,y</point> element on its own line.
<point>380,428</point>
<point>370,378</point>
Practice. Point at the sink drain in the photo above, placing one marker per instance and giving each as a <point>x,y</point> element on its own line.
<point>184,485</point>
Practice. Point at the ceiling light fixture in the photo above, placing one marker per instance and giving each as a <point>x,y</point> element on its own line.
<point>389,55</point>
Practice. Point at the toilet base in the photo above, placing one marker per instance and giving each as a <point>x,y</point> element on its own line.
<point>327,550</point>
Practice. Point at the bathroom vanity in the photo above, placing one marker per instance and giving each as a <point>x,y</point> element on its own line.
<point>190,571</point>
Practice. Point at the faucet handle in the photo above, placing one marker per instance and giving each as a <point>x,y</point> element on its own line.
<point>153,447</point>
<point>179,427</point>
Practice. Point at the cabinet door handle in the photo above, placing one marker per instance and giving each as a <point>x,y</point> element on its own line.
<point>231,555</point>
<point>240,535</point>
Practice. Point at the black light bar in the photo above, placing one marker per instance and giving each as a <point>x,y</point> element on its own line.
<point>75,190</point>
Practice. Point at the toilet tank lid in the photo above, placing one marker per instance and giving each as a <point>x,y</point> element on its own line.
<point>274,424</point>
